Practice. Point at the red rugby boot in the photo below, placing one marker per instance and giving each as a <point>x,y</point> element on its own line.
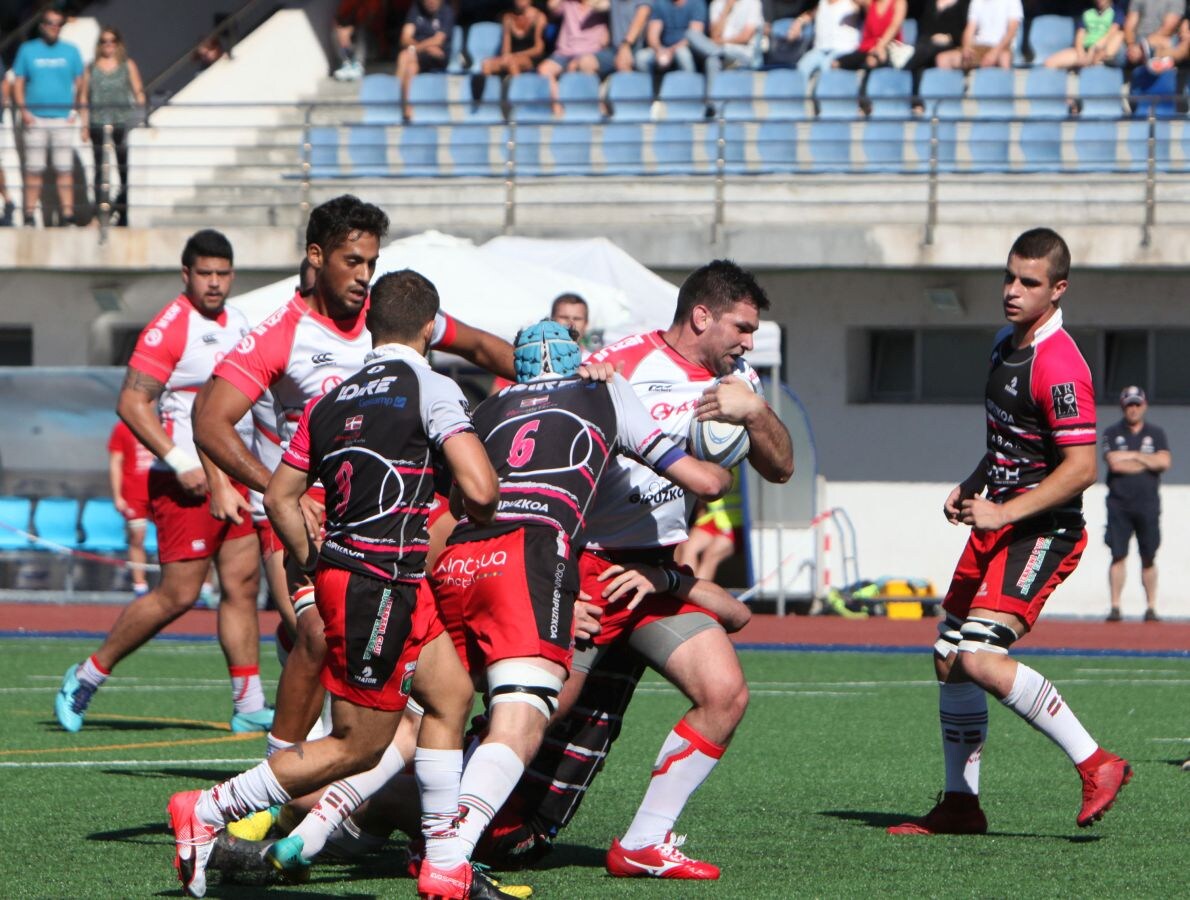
<point>662,860</point>
<point>1103,775</point>
<point>955,813</point>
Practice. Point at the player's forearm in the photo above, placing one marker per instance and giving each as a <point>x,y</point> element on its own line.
<point>771,453</point>
<point>730,612</point>
<point>285,514</point>
<point>139,413</point>
<point>221,442</point>
<point>1067,481</point>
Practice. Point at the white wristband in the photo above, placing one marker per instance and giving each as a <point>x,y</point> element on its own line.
<point>181,461</point>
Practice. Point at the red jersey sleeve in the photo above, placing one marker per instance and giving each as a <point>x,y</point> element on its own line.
<point>1062,389</point>
<point>163,341</point>
<point>445,332</point>
<point>297,454</point>
<point>261,356</point>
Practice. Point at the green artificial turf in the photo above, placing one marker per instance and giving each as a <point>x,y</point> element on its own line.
<point>835,747</point>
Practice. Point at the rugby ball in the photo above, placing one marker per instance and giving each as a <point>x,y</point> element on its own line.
<point>719,442</point>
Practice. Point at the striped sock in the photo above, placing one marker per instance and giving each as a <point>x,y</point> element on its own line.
<point>246,691</point>
<point>91,674</point>
<point>963,714</point>
<point>492,772</point>
<point>1038,702</point>
<point>241,796</point>
<point>438,773</point>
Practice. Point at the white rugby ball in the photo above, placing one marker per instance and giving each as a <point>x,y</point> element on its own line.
<point>719,442</point>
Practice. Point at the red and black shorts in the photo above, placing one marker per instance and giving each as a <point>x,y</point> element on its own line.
<point>269,542</point>
<point>1015,568</point>
<point>617,620</point>
<point>185,527</point>
<point>508,596</point>
<point>375,630</point>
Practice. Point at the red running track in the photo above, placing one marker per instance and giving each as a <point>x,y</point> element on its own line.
<point>1067,634</point>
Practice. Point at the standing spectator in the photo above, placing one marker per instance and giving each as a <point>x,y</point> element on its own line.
<point>523,43</point>
<point>882,26</point>
<point>629,21</point>
<point>129,462</point>
<point>1149,29</point>
<point>987,40</point>
<point>112,92</point>
<point>7,209</point>
<point>836,32</point>
<point>1096,42</point>
<point>1136,454</point>
<point>736,27</point>
<point>572,311</point>
<point>583,35</point>
<point>47,74</point>
<point>667,46</point>
<point>425,44</point>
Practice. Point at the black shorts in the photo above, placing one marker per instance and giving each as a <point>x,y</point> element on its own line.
<point>1124,521</point>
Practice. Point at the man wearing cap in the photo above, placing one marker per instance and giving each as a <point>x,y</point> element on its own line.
<point>1136,454</point>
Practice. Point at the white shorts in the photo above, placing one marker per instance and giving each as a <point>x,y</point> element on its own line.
<point>52,136</point>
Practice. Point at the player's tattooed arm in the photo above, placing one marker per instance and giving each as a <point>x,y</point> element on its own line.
<point>137,406</point>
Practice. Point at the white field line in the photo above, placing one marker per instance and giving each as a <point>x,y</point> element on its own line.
<point>142,688</point>
<point>129,763</point>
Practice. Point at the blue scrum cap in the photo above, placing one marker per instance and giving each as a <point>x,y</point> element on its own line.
<point>545,349</point>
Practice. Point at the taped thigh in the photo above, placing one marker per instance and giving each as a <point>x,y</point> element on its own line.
<point>510,681</point>
<point>986,635</point>
<point>949,636</point>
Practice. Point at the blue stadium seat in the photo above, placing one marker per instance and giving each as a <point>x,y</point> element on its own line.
<point>684,95</point>
<point>784,93</point>
<point>14,518</point>
<point>324,153</point>
<point>947,151</point>
<point>993,90</point>
<point>429,96</point>
<point>1157,93</point>
<point>1099,90</point>
<point>883,144</point>
<point>830,145</point>
<point>1041,145</point>
<point>732,94</point>
<point>837,94</point>
<point>103,527</point>
<point>456,63</point>
<point>890,93</point>
<point>483,40</point>
<point>630,95</point>
<point>526,151</point>
<point>776,145</point>
<point>941,92</point>
<point>673,148</point>
<point>470,149</point>
<point>735,138</point>
<point>1095,145</point>
<point>381,99</point>
<point>1048,35</point>
<point>418,146</point>
<point>150,538</point>
<point>579,93</point>
<point>1137,144</point>
<point>56,519</point>
<point>570,147</point>
<point>367,149</point>
<point>623,148</point>
<point>529,99</point>
<point>909,31</point>
<point>488,108</point>
<point>988,146</point>
<point>1045,89</point>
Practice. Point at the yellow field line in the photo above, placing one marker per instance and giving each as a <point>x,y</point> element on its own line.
<point>144,745</point>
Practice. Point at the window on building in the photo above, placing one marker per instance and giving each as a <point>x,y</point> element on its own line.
<point>892,366</point>
<point>16,345</point>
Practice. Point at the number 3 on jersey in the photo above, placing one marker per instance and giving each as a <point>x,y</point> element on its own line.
<point>523,445</point>
<point>343,485</point>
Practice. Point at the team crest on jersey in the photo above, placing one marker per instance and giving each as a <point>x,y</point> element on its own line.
<point>152,337</point>
<point>355,423</point>
<point>530,402</point>
<point>1065,401</point>
<point>210,338</point>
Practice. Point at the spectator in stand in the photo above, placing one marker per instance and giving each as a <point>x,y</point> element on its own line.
<point>733,41</point>
<point>940,29</point>
<point>425,44</point>
<point>129,462</point>
<point>1150,29</point>
<point>209,52</point>
<point>1097,40</point>
<point>629,21</point>
<point>48,73</point>
<point>987,40</point>
<point>523,43</point>
<point>882,26</point>
<point>582,36</point>
<point>836,33</point>
<point>666,43</point>
<point>7,209</point>
<point>356,21</point>
<point>112,93</point>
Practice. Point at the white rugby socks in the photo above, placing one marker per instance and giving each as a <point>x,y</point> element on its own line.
<point>241,796</point>
<point>963,715</point>
<point>246,691</point>
<point>492,772</point>
<point>1038,702</point>
<point>438,773</point>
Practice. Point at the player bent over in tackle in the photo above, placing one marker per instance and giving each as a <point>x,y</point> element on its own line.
<point>371,440</point>
<point>1027,536</point>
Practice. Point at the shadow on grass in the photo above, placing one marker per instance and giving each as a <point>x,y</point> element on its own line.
<point>118,724</point>
<point>211,776</point>
<point>135,834</point>
<point>570,855</point>
<point>883,820</point>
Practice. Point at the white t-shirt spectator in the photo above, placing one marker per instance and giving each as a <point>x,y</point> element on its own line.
<point>991,18</point>
<point>743,14</point>
<point>836,26</point>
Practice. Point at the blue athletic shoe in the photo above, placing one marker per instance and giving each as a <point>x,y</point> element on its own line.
<point>261,720</point>
<point>286,857</point>
<point>71,702</point>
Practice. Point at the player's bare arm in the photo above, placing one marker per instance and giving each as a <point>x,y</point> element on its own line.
<point>705,480</point>
<point>226,503</point>
<point>281,503</point>
<point>1074,474</point>
<point>484,349</point>
<point>636,582</point>
<point>137,406</point>
<point>217,409</point>
<point>474,476</point>
<point>733,400</point>
<point>115,477</point>
<point>971,486</point>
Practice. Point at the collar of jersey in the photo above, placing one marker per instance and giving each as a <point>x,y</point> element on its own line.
<point>1053,326</point>
<point>220,320</point>
<point>336,325</point>
<point>692,370</point>
<point>387,352</point>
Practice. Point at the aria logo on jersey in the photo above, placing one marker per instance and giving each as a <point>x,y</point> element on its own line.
<point>1065,402</point>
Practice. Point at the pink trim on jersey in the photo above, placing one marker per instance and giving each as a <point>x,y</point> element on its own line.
<point>449,334</point>
<point>375,547</point>
<point>632,351</point>
<point>1057,361</point>
<point>163,341</point>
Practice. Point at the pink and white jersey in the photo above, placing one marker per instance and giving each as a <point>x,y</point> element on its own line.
<point>636,507</point>
<point>180,348</point>
<point>297,355</point>
<point>265,446</point>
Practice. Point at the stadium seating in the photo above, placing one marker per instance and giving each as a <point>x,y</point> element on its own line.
<point>471,149</point>
<point>570,148</point>
<point>987,144</point>
<point>367,150</point>
<point>381,99</point>
<point>56,519</point>
<point>579,94</point>
<point>489,107</point>
<point>830,145</point>
<point>103,527</point>
<point>483,40</point>
<point>1041,145</point>
<point>324,152</point>
<point>623,148</point>
<point>529,99</point>
<point>1095,142</point>
<point>1048,35</point>
<point>630,95</point>
<point>1153,93</point>
<point>151,539</point>
<point>457,64</point>
<point>1136,142</point>
<point>14,518</point>
<point>731,95</point>
<point>1045,91</point>
<point>683,95</point>
<point>941,92</point>
<point>1099,92</point>
<point>418,148</point>
<point>889,93</point>
<point>993,91</point>
<point>777,145</point>
<point>429,96</point>
<point>784,95</point>
<point>837,94</point>
<point>909,31</point>
<point>883,144</point>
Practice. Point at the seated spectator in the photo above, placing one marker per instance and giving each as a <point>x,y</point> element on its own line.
<point>666,46</point>
<point>987,40</point>
<point>355,22</point>
<point>780,53</point>
<point>836,32</point>
<point>736,27</point>
<point>1150,28</point>
<point>425,44</point>
<point>940,29</point>
<point>1096,42</point>
<point>583,36</point>
<point>629,22</point>
<point>523,44</point>
<point>882,26</point>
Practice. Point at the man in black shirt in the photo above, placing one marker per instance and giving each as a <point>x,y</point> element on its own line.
<point>1136,454</point>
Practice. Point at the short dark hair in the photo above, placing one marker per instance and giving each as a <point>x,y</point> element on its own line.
<point>1047,244</point>
<point>331,222</point>
<point>207,242</point>
<point>566,298</point>
<point>303,272</point>
<point>719,285</point>
<point>401,304</point>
